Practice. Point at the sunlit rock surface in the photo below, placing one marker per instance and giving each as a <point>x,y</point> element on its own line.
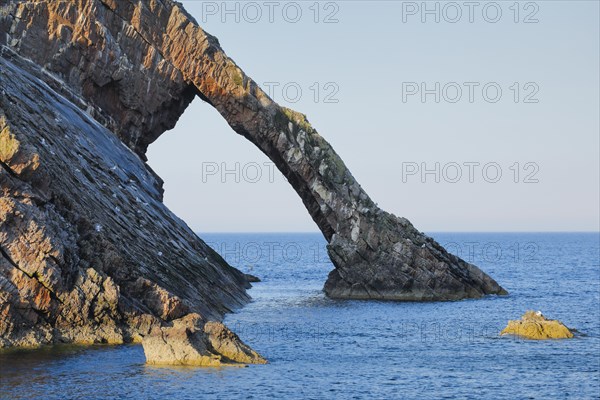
<point>191,341</point>
<point>533,325</point>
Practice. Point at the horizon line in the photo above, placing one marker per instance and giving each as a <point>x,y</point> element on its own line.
<point>434,231</point>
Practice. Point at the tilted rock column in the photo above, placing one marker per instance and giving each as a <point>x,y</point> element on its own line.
<point>376,254</point>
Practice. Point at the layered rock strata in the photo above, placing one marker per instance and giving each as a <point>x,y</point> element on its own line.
<point>88,251</point>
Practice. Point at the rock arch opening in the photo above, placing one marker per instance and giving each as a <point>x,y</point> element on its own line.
<point>217,182</point>
<point>376,254</point>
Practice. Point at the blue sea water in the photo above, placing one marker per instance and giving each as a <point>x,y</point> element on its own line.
<point>320,348</point>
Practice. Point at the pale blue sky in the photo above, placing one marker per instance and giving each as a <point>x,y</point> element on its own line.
<point>368,54</point>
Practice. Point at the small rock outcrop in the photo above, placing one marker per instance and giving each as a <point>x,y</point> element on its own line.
<point>192,341</point>
<point>533,325</point>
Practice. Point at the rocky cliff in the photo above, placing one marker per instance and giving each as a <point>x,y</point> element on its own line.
<point>89,252</point>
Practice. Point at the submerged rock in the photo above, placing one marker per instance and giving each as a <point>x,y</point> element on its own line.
<point>191,341</point>
<point>251,278</point>
<point>533,325</point>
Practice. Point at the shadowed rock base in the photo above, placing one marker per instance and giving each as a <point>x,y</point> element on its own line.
<point>535,326</point>
<point>191,341</point>
<point>391,260</point>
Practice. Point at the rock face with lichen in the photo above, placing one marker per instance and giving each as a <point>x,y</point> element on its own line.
<point>533,325</point>
<point>89,252</point>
